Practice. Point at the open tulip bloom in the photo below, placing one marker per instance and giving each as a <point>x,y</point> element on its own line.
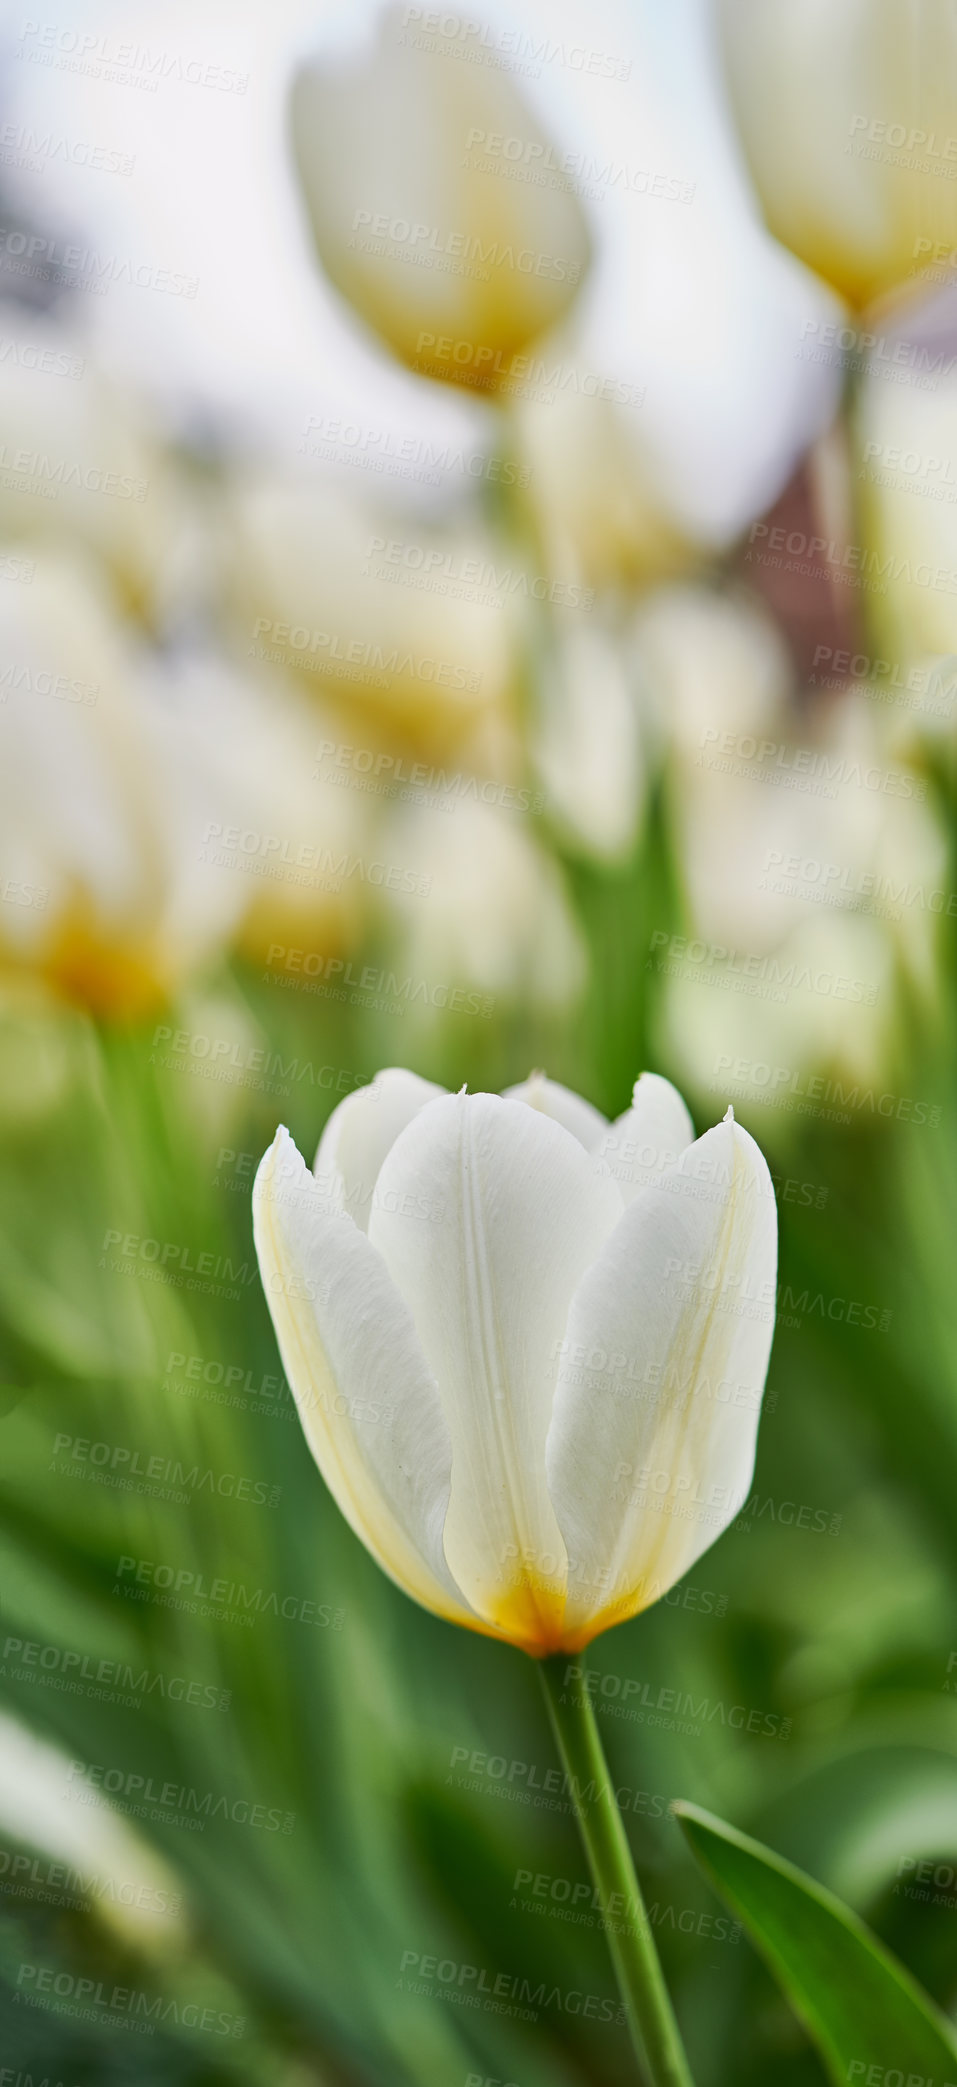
<point>528,1348</point>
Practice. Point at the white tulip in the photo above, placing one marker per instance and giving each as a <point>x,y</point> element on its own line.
<point>586,739</point>
<point>104,801</point>
<point>710,659</point>
<point>318,592</point>
<point>907,491</point>
<point>528,1347</point>
<point>674,403</point>
<point>489,908</point>
<point>847,115</point>
<point>299,871</point>
<point>421,243</point>
<point>790,1049</point>
<point>812,869</point>
<point>80,462</point>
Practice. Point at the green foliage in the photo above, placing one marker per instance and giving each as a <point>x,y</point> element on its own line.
<point>860,2007</point>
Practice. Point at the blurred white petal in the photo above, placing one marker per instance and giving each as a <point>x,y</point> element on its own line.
<point>587,745</point>
<point>123,1877</point>
<point>494,914</point>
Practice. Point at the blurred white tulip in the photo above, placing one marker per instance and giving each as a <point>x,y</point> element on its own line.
<point>586,742</point>
<point>290,845</point>
<point>761,855</point>
<point>709,658</point>
<point>670,403</point>
<point>906,435</point>
<point>415,628</point>
<point>782,1048</point>
<point>102,890</point>
<point>674,403</point>
<point>80,464</point>
<point>494,915</point>
<point>813,870</point>
<point>846,110</point>
<point>422,244</point>
<point>598,501</point>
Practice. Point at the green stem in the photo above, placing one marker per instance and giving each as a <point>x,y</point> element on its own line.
<point>641,1982</point>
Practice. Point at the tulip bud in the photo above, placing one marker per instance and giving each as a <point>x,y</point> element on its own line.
<point>104,801</point>
<point>847,117</point>
<point>454,269</point>
<point>408,625</point>
<point>81,464</point>
<point>292,842</point>
<point>794,939</point>
<point>587,742</point>
<point>509,933</point>
<point>906,482</point>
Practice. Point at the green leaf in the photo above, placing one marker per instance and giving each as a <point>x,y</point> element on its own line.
<point>859,2005</point>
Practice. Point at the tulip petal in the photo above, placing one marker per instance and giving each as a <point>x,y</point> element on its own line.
<point>508,1215</point>
<point>585,1122</point>
<point>651,1446</point>
<point>368,1405</point>
<point>642,1144</point>
<point>360,1132</point>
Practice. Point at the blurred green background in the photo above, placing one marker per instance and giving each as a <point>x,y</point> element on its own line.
<point>596,714</point>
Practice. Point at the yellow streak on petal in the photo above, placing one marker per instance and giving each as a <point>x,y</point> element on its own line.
<point>642,1597</point>
<point>529,1612</point>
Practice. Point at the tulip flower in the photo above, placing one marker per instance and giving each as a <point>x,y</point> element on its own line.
<point>454,271</point>
<point>105,802</point>
<point>586,737</point>
<point>364,611</point>
<point>527,1346</point>
<point>301,874</point>
<point>491,911</point>
<point>906,434</point>
<point>84,466</point>
<point>845,113</point>
<point>828,896</point>
<point>634,475</point>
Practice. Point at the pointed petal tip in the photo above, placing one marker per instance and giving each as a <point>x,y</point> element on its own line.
<point>284,1143</point>
<point>279,1137</point>
<point>728,1116</point>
